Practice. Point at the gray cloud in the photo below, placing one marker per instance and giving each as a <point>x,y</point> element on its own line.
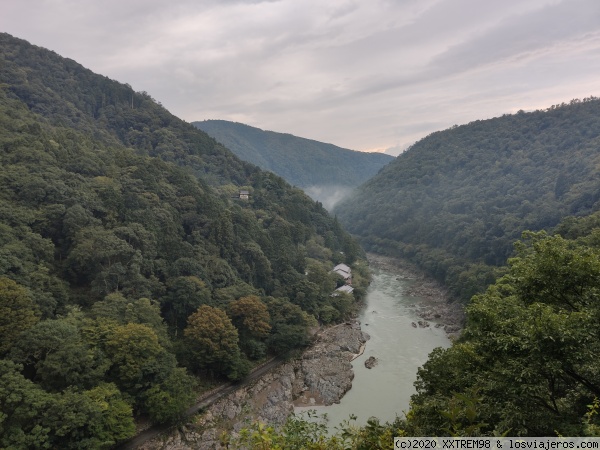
<point>362,75</point>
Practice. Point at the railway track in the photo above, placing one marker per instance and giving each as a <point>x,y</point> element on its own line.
<point>203,402</point>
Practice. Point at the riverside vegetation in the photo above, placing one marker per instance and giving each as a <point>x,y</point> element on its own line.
<point>321,375</point>
<point>128,272</point>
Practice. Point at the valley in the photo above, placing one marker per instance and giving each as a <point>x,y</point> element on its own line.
<point>322,379</point>
<point>143,263</point>
<point>327,173</point>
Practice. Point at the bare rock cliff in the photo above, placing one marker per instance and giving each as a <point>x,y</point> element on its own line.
<point>320,377</point>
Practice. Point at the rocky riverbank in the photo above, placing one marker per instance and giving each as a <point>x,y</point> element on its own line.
<point>320,377</point>
<point>434,308</point>
<point>324,371</point>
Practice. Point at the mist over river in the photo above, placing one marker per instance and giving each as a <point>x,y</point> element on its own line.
<point>390,312</point>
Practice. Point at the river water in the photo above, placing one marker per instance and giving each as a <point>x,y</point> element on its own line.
<point>384,391</point>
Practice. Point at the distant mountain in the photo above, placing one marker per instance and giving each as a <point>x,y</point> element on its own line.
<point>324,171</point>
<point>457,200</point>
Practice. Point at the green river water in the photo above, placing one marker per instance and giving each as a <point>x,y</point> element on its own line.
<point>384,391</point>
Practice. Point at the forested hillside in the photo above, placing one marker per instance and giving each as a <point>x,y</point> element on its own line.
<point>457,200</point>
<point>321,169</point>
<point>130,269</point>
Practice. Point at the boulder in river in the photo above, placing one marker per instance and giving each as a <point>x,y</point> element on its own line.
<point>371,362</point>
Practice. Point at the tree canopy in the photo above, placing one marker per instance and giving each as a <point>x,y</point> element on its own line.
<point>527,362</point>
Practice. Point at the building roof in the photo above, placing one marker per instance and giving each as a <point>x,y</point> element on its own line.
<point>346,288</point>
<point>343,270</point>
<point>343,267</point>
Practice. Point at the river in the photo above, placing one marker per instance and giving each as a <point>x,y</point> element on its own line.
<point>388,316</point>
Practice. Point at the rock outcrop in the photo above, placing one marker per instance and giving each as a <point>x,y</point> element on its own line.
<point>321,376</point>
<point>325,368</point>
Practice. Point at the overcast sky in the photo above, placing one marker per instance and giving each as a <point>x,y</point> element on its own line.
<point>361,74</point>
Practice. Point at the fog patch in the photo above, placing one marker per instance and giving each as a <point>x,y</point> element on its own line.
<point>329,196</point>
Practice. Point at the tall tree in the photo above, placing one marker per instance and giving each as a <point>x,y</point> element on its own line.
<point>138,359</point>
<point>18,312</point>
<point>212,339</point>
<point>250,316</point>
<point>56,356</point>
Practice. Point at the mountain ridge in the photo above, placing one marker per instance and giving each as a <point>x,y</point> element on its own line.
<point>457,200</point>
<point>318,168</point>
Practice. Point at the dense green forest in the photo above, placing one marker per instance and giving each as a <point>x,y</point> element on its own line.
<point>457,200</point>
<point>321,169</point>
<point>129,270</point>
